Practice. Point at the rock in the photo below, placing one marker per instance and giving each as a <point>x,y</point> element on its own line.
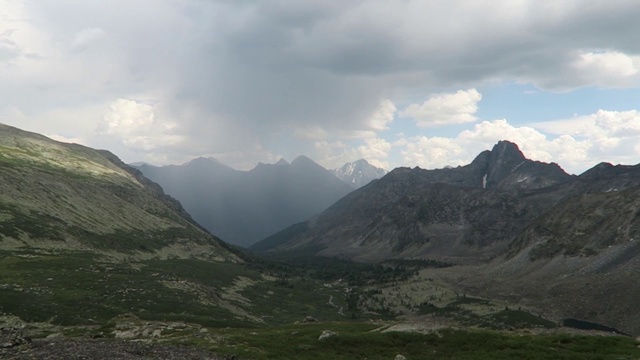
<point>176,326</point>
<point>309,319</point>
<point>327,334</point>
<point>12,336</point>
<point>400,357</point>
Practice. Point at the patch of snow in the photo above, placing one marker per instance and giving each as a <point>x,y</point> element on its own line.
<point>517,166</point>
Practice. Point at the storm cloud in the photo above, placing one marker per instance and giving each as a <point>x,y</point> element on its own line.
<point>167,80</point>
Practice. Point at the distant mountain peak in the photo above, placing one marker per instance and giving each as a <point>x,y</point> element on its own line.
<point>204,160</point>
<point>361,161</point>
<point>281,162</point>
<point>506,166</point>
<point>358,173</point>
<point>303,161</point>
<point>301,158</point>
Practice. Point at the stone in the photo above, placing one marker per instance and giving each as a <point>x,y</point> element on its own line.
<point>309,319</point>
<point>327,334</point>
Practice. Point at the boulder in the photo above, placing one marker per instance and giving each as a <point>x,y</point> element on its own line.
<point>309,319</point>
<point>327,334</point>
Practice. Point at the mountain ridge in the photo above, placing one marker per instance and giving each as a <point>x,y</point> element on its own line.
<point>50,192</point>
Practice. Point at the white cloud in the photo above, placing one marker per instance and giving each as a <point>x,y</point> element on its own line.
<point>334,154</point>
<point>311,132</point>
<point>232,76</point>
<point>619,124</point>
<point>437,152</point>
<point>445,109</point>
<point>612,68</point>
<point>383,115</point>
<point>434,152</point>
<point>87,36</point>
<point>490,132</point>
<point>570,153</point>
<point>136,126</point>
<point>576,144</point>
<point>613,135</point>
<point>376,151</point>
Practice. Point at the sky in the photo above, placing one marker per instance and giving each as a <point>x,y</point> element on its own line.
<point>399,83</point>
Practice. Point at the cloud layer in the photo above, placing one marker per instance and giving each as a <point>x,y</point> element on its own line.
<point>168,80</point>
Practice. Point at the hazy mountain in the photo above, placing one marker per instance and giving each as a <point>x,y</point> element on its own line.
<point>245,206</point>
<point>358,173</point>
<point>65,196</point>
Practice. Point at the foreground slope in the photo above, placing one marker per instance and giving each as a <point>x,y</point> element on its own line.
<point>245,206</point>
<point>56,196</point>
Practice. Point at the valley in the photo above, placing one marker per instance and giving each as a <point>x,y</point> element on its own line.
<point>273,312</point>
<point>468,263</point>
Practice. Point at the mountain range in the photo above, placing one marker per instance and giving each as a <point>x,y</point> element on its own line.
<point>91,248</point>
<point>517,229</point>
<point>467,213</point>
<point>243,207</point>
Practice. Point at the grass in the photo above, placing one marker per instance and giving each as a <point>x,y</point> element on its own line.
<point>497,320</point>
<point>36,224</point>
<point>358,341</point>
<point>78,289</point>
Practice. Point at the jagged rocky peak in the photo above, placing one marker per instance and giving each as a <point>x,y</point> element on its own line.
<point>507,167</point>
<point>504,158</point>
<point>505,151</point>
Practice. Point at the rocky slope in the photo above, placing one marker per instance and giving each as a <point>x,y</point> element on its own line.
<point>358,173</point>
<point>245,206</point>
<point>521,231</point>
<point>56,196</point>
